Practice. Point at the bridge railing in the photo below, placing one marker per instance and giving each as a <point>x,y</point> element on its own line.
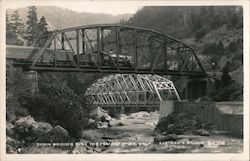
<point>120,48</point>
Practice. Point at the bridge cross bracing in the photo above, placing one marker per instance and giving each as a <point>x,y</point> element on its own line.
<point>109,48</point>
<point>132,90</point>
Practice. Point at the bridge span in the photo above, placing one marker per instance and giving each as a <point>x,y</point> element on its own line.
<point>108,48</point>
<point>132,90</point>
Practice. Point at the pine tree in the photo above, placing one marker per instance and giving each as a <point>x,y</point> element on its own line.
<point>43,30</point>
<point>8,24</point>
<point>42,25</point>
<point>16,25</point>
<point>225,75</point>
<point>220,48</point>
<point>32,25</point>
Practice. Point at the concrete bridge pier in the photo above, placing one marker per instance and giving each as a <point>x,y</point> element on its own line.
<point>166,108</point>
<point>32,76</point>
<point>196,87</point>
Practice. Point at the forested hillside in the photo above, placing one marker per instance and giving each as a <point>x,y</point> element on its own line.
<point>59,18</point>
<point>215,33</point>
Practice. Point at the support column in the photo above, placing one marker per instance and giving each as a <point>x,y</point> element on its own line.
<point>166,108</point>
<point>33,77</point>
<point>122,110</point>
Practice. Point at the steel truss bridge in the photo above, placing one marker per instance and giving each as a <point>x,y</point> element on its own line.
<point>108,48</point>
<point>132,90</point>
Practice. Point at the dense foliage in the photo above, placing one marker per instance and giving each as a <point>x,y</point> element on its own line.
<point>55,103</point>
<point>182,22</point>
<point>17,33</point>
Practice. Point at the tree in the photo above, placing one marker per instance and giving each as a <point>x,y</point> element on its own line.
<point>225,75</point>
<point>195,21</point>
<point>220,48</point>
<point>16,25</point>
<point>43,30</point>
<point>32,25</point>
<point>8,24</point>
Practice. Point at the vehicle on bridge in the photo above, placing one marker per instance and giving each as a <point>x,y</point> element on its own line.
<point>87,49</point>
<point>106,59</point>
<point>24,54</point>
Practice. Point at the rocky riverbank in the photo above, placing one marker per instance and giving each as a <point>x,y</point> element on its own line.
<point>133,133</point>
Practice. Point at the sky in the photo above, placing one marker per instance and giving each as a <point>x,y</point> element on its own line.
<point>109,7</point>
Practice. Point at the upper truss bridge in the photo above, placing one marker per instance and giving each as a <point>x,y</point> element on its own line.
<point>108,48</point>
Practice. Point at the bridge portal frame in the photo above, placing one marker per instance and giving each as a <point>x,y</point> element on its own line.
<point>185,57</point>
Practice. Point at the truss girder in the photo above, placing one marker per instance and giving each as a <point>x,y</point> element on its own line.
<point>132,89</point>
<point>134,50</point>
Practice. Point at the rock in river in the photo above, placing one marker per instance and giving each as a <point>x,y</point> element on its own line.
<point>161,138</point>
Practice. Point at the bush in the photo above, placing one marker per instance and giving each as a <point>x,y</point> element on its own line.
<point>200,33</point>
<point>59,105</point>
<point>17,91</point>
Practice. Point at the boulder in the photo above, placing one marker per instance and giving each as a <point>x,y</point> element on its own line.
<point>120,124</point>
<point>101,114</point>
<point>161,138</point>
<point>81,147</point>
<point>60,130</point>
<point>114,122</point>
<point>9,149</point>
<point>10,141</point>
<point>9,129</point>
<point>170,126</point>
<point>98,150</point>
<point>43,127</point>
<point>90,150</point>
<point>80,150</point>
<point>102,124</point>
<point>56,135</point>
<point>202,132</point>
<point>91,121</point>
<point>26,126</point>
<point>91,135</point>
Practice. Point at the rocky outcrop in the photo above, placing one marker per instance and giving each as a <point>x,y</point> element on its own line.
<point>26,128</point>
<point>180,123</point>
<point>26,131</point>
<point>57,135</point>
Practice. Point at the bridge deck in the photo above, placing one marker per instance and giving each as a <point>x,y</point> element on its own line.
<point>108,49</point>
<point>22,56</point>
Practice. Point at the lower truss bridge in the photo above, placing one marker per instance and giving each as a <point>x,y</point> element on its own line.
<point>132,90</point>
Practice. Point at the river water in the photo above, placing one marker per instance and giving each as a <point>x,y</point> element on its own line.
<point>136,135</point>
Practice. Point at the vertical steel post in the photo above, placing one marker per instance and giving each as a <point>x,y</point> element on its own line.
<point>117,46</point>
<point>98,47</point>
<point>102,43</point>
<point>78,49</point>
<point>150,51</point>
<point>165,54</point>
<point>55,58</point>
<point>135,50</point>
<point>83,41</point>
<point>63,47</point>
